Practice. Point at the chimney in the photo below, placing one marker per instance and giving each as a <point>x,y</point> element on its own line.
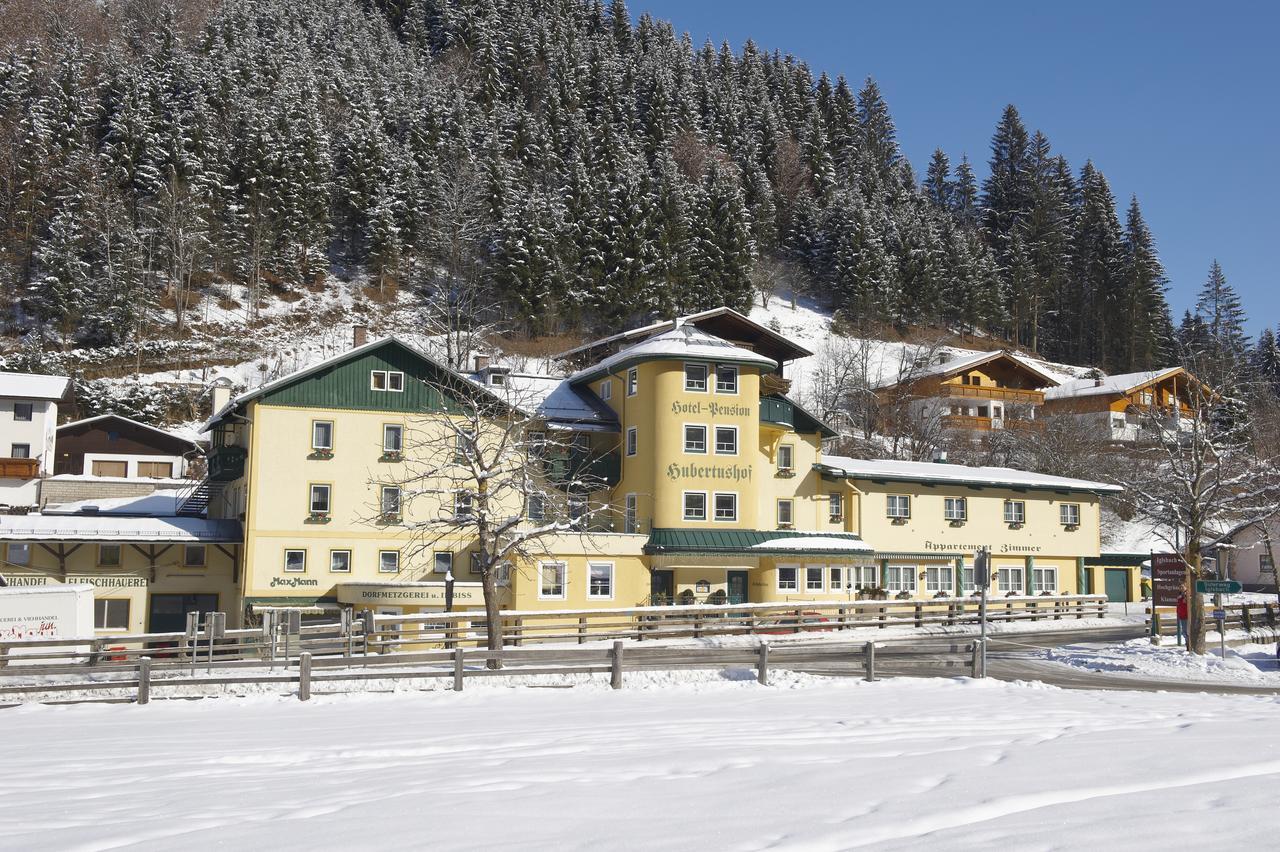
<point>482,363</point>
<point>1097,381</point>
<point>359,335</point>
<point>219,395</point>
<point>944,357</point>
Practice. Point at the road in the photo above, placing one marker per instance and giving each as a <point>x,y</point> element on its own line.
<point>1016,657</point>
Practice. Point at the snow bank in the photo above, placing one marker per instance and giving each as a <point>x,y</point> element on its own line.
<point>1254,665</point>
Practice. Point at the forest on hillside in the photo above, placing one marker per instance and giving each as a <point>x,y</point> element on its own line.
<point>578,169</point>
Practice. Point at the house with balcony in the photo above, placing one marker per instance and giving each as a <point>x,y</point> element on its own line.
<point>969,394</point>
<point>1130,407</point>
<point>28,427</point>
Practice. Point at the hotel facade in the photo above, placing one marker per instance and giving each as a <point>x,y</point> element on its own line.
<point>709,485</point>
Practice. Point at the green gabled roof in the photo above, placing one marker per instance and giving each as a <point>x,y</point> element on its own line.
<point>757,542</point>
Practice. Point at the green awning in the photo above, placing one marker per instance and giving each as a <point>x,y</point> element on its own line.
<point>754,542</point>
<point>301,600</point>
<point>1118,560</point>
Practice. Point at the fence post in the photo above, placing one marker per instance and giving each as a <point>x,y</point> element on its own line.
<point>615,671</point>
<point>762,665</point>
<point>582,630</point>
<point>1270,615</point>
<point>1155,627</point>
<point>844,617</point>
<point>519,632</point>
<point>1246,618</point>
<point>366,629</point>
<point>919,613</point>
<point>697,625</point>
<point>458,670</point>
<point>869,660</point>
<point>973,647</point>
<point>144,680</point>
<point>268,650</point>
<point>304,676</point>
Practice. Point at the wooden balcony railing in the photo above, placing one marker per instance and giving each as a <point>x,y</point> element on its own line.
<point>1031,397</point>
<point>11,468</point>
<point>986,424</point>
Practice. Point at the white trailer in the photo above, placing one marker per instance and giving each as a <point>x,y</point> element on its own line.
<point>46,612</point>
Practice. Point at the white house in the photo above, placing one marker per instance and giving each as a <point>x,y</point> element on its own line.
<point>28,429</point>
<point>1249,555</point>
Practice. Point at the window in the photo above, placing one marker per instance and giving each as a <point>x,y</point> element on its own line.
<point>695,439</point>
<point>813,578</point>
<point>937,578</point>
<point>388,561</point>
<point>726,507</point>
<point>378,380</point>
<point>1266,565</point>
<point>320,499</point>
<point>837,578</point>
<point>322,434</point>
<point>18,553</point>
<point>633,440</point>
<point>727,440</point>
<point>462,504</point>
<point>155,470</point>
<point>864,577</point>
<point>193,555</point>
<point>552,580</point>
<point>787,578</point>
<point>535,508</point>
<point>898,506</point>
<point>726,378</point>
<point>600,579</point>
<point>629,515</point>
<point>442,561</point>
<point>633,381</point>
<point>109,555</point>
<point>111,614</point>
<point>1009,579</point>
<point>473,563</point>
<point>836,507</point>
<point>340,561</point>
<point>295,561</point>
<point>900,578</point>
<point>390,501</point>
<point>695,378</point>
<point>1069,514</point>
<point>956,509</point>
<point>1044,580</point>
<point>22,411</point>
<point>1118,421</point>
<point>1148,398</point>
<point>1015,511</point>
<point>695,505</point>
<point>606,389</point>
<point>497,378</point>
<point>19,451</point>
<point>392,438</point>
<point>784,513</point>
<point>395,382</point>
<point>464,446</point>
<point>785,458</point>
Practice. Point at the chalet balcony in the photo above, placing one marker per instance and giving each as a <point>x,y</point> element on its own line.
<point>777,412</point>
<point>11,468</point>
<point>968,423</point>
<point>1012,395</point>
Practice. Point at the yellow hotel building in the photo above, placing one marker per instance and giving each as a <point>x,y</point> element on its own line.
<point>717,488</point>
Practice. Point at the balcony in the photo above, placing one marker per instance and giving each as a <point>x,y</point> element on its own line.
<point>986,424</point>
<point>777,412</point>
<point>11,468</point>
<point>1015,395</point>
<point>226,463</point>
<point>595,471</point>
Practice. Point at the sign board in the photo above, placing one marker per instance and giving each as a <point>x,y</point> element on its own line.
<point>1168,577</point>
<point>1219,587</point>
<point>1219,615</point>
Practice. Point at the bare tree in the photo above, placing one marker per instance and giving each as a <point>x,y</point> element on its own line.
<point>487,470</point>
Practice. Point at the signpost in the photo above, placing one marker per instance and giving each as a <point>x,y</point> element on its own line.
<point>1219,587</point>
<point>982,579</point>
<point>1168,582</point>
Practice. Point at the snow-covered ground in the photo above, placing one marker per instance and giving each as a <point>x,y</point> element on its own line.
<point>1252,665</point>
<point>670,762</point>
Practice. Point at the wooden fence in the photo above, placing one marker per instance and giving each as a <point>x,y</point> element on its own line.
<point>1247,617</point>
<point>307,672</point>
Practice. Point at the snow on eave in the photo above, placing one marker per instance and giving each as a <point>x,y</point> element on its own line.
<point>965,362</point>
<point>1120,385</point>
<point>956,474</point>
<point>113,528</point>
<point>678,344</point>
<point>814,542</point>
<point>666,325</point>
<point>38,386</point>
<point>131,421</point>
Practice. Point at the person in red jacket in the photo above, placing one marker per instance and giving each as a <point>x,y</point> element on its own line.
<point>1183,638</point>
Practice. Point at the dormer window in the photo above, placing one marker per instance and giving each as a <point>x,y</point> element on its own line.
<point>695,378</point>
<point>495,376</point>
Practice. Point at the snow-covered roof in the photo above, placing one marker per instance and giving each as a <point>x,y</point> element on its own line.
<point>34,386</point>
<point>684,342</point>
<point>965,362</point>
<point>554,399</point>
<point>113,528</point>
<point>1107,385</point>
<point>159,503</point>
<point>783,342</point>
<point>130,421</point>
<point>814,542</point>
<point>906,471</point>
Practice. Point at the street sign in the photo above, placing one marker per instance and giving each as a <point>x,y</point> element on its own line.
<point>1168,577</point>
<point>1219,587</point>
<point>982,569</point>
<point>1219,615</point>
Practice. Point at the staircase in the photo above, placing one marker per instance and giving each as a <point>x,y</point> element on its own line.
<point>195,503</point>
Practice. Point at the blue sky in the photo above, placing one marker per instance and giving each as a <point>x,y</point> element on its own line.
<point>1176,102</point>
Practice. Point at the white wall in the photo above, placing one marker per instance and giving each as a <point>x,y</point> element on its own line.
<point>179,464</point>
<point>39,433</point>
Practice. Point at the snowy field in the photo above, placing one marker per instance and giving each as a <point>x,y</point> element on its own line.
<point>671,762</point>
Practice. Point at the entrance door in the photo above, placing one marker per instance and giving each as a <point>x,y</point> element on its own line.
<point>737,582</point>
<point>1117,580</point>
<point>662,587</point>
<point>169,612</point>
